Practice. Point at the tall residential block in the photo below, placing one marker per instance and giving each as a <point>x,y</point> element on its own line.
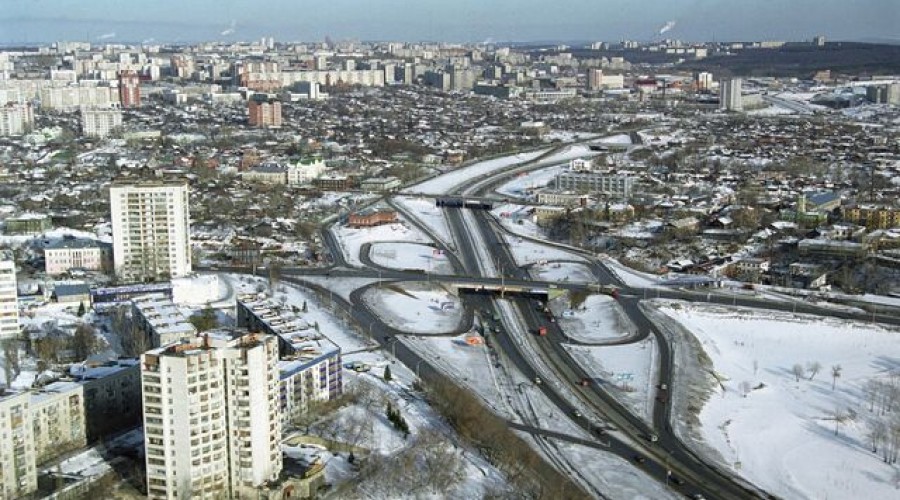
<point>18,475</point>
<point>100,122</point>
<point>730,95</point>
<point>15,118</point>
<point>150,226</point>
<point>212,427</point>
<point>264,112</point>
<point>9,306</point>
<point>129,89</point>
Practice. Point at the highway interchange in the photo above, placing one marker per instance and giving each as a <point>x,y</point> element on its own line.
<point>481,255</point>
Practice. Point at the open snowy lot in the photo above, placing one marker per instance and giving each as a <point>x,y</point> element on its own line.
<point>416,307</point>
<point>529,252</point>
<point>428,214</point>
<point>792,399</point>
<point>562,271</point>
<point>352,239</point>
<point>598,320</point>
<point>410,256</point>
<point>522,185</point>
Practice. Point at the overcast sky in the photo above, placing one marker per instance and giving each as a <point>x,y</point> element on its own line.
<point>34,21</point>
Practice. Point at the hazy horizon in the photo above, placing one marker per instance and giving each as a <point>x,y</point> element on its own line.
<point>43,21</point>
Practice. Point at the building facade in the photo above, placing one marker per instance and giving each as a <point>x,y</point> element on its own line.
<point>76,253</point>
<point>100,122</point>
<point>18,473</point>
<point>129,89</point>
<point>264,112</point>
<point>212,428</point>
<point>612,185</point>
<point>9,297</point>
<point>15,119</point>
<point>880,217</point>
<point>730,98</point>
<point>58,419</point>
<point>150,224</point>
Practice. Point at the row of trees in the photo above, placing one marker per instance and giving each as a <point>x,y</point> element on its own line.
<point>882,396</point>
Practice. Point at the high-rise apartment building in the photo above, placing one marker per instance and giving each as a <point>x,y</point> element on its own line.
<point>212,428</point>
<point>15,119</point>
<point>100,122</point>
<point>9,305</point>
<point>264,112</point>
<point>730,95</point>
<point>150,223</point>
<point>129,89</point>
<point>18,475</point>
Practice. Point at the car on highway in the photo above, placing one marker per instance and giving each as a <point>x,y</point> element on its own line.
<point>538,381</point>
<point>639,459</point>
<point>677,480</point>
<point>652,438</point>
<point>576,414</point>
<point>584,382</point>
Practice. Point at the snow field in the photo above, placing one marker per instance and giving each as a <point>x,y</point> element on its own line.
<point>448,182</point>
<point>428,214</point>
<point>782,433</point>
<point>598,320</point>
<point>398,255</point>
<point>419,308</point>
<point>353,239</point>
<point>562,271</point>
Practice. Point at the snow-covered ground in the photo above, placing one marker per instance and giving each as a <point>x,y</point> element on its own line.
<point>598,320</point>
<point>628,372</point>
<point>563,272</point>
<point>420,308</point>
<point>771,111</point>
<point>352,239</point>
<point>517,219</point>
<point>522,185</point>
<point>630,277</point>
<point>780,432</point>
<point>569,153</point>
<point>528,252</point>
<point>398,255</point>
<point>620,139</point>
<point>566,136</point>
<point>447,182</point>
<point>428,214</point>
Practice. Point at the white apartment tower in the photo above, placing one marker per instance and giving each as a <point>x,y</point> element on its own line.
<point>185,434</point>
<point>730,95</point>
<point>252,406</point>
<point>150,223</point>
<point>15,118</point>
<point>9,306</point>
<point>18,476</point>
<point>212,428</point>
<point>100,122</point>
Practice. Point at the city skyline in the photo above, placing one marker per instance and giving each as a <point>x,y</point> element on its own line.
<point>40,21</point>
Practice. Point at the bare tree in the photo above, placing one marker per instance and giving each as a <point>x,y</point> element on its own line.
<point>798,372</point>
<point>813,368</point>
<point>877,433</point>
<point>11,354</point>
<point>84,342</point>
<point>839,416</point>
<point>835,374</point>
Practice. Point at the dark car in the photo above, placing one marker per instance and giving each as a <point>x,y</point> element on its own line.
<point>639,459</point>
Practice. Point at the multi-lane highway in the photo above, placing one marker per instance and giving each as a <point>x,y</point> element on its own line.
<point>481,254</point>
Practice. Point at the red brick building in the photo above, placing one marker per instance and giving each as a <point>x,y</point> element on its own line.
<point>372,217</point>
<point>264,112</point>
<point>129,89</point>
